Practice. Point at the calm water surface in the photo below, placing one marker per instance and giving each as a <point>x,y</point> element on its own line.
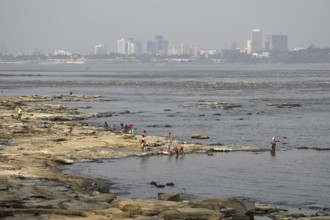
<point>292,179</point>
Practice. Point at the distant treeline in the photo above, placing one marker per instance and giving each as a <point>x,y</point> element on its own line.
<point>310,55</point>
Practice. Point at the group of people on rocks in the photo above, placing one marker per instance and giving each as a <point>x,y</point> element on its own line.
<point>178,149</point>
<point>170,146</point>
<point>129,129</point>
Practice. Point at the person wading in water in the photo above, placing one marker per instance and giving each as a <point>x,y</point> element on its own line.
<point>273,149</point>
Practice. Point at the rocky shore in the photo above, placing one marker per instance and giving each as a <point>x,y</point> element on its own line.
<point>49,135</point>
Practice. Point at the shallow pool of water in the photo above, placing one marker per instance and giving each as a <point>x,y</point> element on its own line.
<point>293,179</point>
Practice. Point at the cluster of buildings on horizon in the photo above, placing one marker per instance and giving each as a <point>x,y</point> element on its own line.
<point>273,50</point>
<point>160,46</point>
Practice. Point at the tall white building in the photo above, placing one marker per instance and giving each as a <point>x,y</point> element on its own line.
<point>185,49</point>
<point>173,50</point>
<point>122,46</point>
<point>129,46</point>
<point>100,50</point>
<point>255,43</point>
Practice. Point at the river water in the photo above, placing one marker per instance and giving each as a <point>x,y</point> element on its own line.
<point>162,98</point>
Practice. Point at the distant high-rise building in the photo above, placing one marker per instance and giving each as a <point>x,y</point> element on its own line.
<point>195,51</point>
<point>138,45</point>
<point>158,47</point>
<point>151,47</point>
<point>100,50</point>
<point>248,46</point>
<point>161,45</point>
<point>185,49</point>
<point>129,46</point>
<point>277,43</point>
<point>122,46</point>
<point>255,43</point>
<point>173,50</point>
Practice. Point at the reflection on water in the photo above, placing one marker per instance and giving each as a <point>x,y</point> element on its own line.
<point>291,179</point>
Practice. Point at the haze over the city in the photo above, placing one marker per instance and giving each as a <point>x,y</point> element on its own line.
<point>79,25</point>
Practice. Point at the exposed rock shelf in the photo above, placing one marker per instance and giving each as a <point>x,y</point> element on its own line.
<point>49,135</point>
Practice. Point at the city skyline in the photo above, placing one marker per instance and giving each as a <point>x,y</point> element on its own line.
<point>160,46</point>
<point>78,26</point>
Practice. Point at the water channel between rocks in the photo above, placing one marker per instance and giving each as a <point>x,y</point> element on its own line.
<point>295,179</point>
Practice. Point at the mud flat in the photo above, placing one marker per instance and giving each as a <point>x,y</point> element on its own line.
<point>49,135</point>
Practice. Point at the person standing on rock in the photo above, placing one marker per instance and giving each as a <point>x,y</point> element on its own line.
<point>169,141</point>
<point>145,135</point>
<point>144,142</point>
<point>19,112</point>
<point>273,143</point>
<point>130,128</point>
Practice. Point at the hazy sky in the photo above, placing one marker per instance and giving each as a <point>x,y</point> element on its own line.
<point>79,25</point>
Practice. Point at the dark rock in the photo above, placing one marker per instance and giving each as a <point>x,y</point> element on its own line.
<point>229,106</point>
<point>104,189</point>
<point>216,144</point>
<point>59,139</point>
<point>4,188</point>
<point>198,136</point>
<point>104,114</point>
<point>152,126</point>
<point>303,148</point>
<point>289,105</point>
<point>157,184</point>
<point>160,185</point>
<point>4,214</point>
<point>321,149</point>
<point>241,207</point>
